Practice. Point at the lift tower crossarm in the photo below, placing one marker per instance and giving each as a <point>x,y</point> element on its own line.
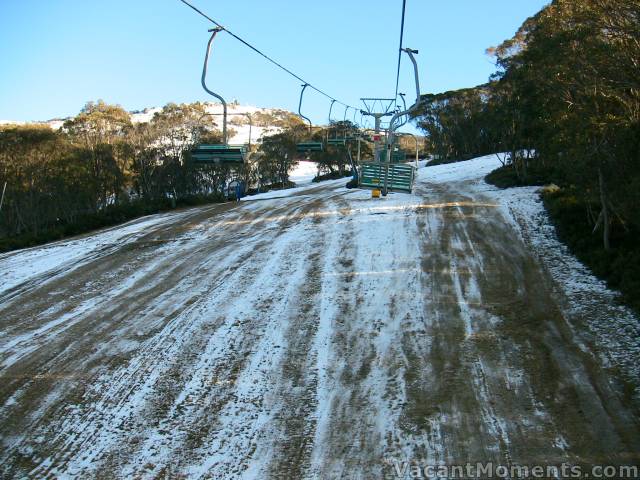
<point>373,104</point>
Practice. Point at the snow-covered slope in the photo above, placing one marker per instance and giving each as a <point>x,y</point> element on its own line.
<point>316,333</point>
<point>303,173</point>
<point>590,304</point>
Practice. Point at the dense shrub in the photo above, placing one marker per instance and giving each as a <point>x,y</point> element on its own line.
<point>507,176</point>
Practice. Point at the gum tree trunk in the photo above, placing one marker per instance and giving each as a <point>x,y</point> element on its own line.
<point>606,227</point>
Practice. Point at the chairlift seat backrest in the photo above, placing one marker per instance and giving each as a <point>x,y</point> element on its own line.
<point>219,153</point>
<point>309,147</point>
<point>398,156</point>
<point>399,177</point>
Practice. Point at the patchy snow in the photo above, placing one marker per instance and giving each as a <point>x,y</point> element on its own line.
<point>19,267</point>
<point>213,108</point>
<point>306,333</point>
<point>235,122</point>
<point>145,116</point>
<point>238,123</point>
<point>241,135</point>
<point>614,328</point>
<point>55,124</point>
<point>289,192</point>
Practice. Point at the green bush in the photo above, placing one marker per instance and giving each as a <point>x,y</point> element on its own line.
<point>110,216</point>
<point>331,176</point>
<point>444,161</point>
<point>505,177</point>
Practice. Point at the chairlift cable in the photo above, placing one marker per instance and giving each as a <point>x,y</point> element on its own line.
<point>404,5</point>
<point>282,67</point>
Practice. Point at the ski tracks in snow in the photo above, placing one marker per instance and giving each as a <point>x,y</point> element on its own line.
<point>323,334</point>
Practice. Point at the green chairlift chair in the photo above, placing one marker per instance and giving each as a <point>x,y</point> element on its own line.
<point>221,153</point>
<point>305,147</point>
<point>309,146</point>
<point>387,176</point>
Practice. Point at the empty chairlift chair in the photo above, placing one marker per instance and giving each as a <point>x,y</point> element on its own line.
<point>398,156</point>
<point>393,177</point>
<point>220,153</point>
<point>310,146</point>
<point>384,174</point>
<point>307,147</point>
<point>337,141</point>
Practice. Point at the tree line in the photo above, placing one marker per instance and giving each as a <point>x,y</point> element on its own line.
<point>100,167</point>
<point>100,160</point>
<point>565,100</point>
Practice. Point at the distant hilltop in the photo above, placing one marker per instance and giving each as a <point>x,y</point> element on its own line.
<point>265,121</point>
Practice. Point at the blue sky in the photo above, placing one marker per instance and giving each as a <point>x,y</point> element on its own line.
<point>58,54</point>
